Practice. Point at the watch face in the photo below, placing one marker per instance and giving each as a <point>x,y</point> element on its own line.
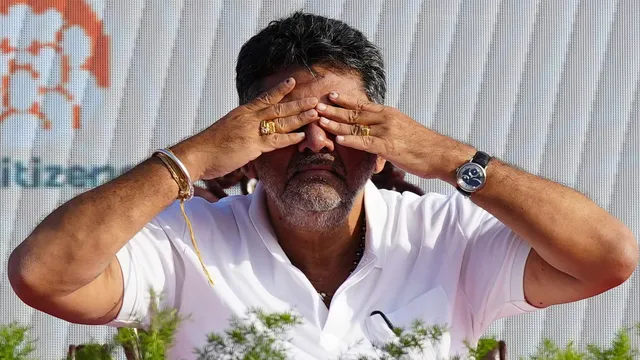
<point>471,177</point>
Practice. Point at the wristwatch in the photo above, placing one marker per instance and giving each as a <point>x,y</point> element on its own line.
<point>472,176</point>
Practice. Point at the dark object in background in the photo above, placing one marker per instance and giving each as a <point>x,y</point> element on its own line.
<point>499,353</point>
<point>97,352</point>
<point>106,352</point>
<point>390,178</point>
<point>214,190</point>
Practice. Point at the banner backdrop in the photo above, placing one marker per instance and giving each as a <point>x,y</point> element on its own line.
<point>89,88</point>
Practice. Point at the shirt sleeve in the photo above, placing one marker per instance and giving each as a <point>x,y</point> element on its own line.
<point>493,266</point>
<point>150,262</point>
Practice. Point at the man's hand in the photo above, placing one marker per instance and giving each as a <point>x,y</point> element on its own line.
<point>579,250</point>
<point>394,136</point>
<point>235,139</point>
<point>83,283</point>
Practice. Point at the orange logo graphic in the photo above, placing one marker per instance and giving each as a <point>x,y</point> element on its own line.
<point>50,52</point>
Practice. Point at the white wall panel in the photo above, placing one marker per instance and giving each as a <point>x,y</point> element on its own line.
<point>550,86</point>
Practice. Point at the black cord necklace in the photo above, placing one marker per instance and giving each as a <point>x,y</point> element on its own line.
<point>359,253</point>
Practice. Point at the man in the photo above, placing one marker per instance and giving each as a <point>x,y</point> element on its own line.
<point>316,235</point>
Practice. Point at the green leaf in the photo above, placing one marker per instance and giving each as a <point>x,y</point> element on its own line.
<point>256,336</point>
<point>548,350</point>
<point>94,351</point>
<point>482,349</point>
<point>15,343</point>
<point>153,342</point>
<point>620,349</point>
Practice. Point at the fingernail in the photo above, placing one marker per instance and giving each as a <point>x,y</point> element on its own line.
<point>333,95</point>
<point>301,135</point>
<point>324,121</point>
<point>321,107</point>
<point>340,138</point>
<point>289,81</point>
<point>310,113</point>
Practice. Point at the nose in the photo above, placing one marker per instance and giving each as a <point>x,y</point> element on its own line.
<point>316,139</point>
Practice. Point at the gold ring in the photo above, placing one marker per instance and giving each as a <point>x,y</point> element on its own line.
<point>363,130</point>
<point>267,127</point>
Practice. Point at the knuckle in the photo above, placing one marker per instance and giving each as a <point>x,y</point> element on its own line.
<point>264,98</point>
<point>353,130</point>
<point>243,119</point>
<point>389,148</point>
<point>368,140</point>
<point>301,119</point>
<point>354,115</point>
<point>273,140</point>
<point>237,112</point>
<point>362,104</point>
<point>281,124</point>
<point>277,110</point>
<point>300,105</point>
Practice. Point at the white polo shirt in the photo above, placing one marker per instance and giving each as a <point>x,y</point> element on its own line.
<point>439,259</point>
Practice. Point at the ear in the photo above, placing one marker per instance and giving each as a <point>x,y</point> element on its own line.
<point>249,171</point>
<point>379,164</point>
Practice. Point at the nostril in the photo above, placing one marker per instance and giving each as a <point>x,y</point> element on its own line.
<point>316,139</point>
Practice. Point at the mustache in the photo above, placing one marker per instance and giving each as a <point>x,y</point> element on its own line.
<point>316,160</point>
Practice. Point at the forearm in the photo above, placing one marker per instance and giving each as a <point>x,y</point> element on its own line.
<point>76,243</point>
<point>567,230</point>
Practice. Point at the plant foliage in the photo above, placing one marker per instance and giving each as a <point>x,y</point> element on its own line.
<point>264,336</point>
<point>15,343</point>
<point>257,336</point>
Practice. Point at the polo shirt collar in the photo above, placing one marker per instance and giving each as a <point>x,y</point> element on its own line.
<point>376,217</point>
<point>376,212</point>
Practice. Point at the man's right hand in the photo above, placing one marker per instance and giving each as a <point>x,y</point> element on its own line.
<point>83,282</point>
<point>235,140</point>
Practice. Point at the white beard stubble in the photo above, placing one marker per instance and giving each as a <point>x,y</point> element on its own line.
<point>315,203</point>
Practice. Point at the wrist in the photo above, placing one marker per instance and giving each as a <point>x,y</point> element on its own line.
<point>452,159</point>
<point>164,176</point>
<point>178,172</point>
<point>185,151</point>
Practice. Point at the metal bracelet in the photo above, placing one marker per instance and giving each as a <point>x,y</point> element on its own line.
<point>183,170</point>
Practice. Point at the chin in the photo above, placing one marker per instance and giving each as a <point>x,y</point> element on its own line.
<point>318,205</point>
<point>314,196</point>
<point>315,212</point>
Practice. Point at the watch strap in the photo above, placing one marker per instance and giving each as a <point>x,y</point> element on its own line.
<point>481,158</point>
<point>463,192</point>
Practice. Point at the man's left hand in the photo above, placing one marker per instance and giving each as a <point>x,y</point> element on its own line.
<point>394,136</point>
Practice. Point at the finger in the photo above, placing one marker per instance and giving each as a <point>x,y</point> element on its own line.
<point>338,128</point>
<point>291,123</point>
<point>272,96</point>
<point>279,141</point>
<point>282,110</point>
<point>354,103</point>
<point>369,144</point>
<point>348,116</point>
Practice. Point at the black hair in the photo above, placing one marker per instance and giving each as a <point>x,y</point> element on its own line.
<point>304,40</point>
